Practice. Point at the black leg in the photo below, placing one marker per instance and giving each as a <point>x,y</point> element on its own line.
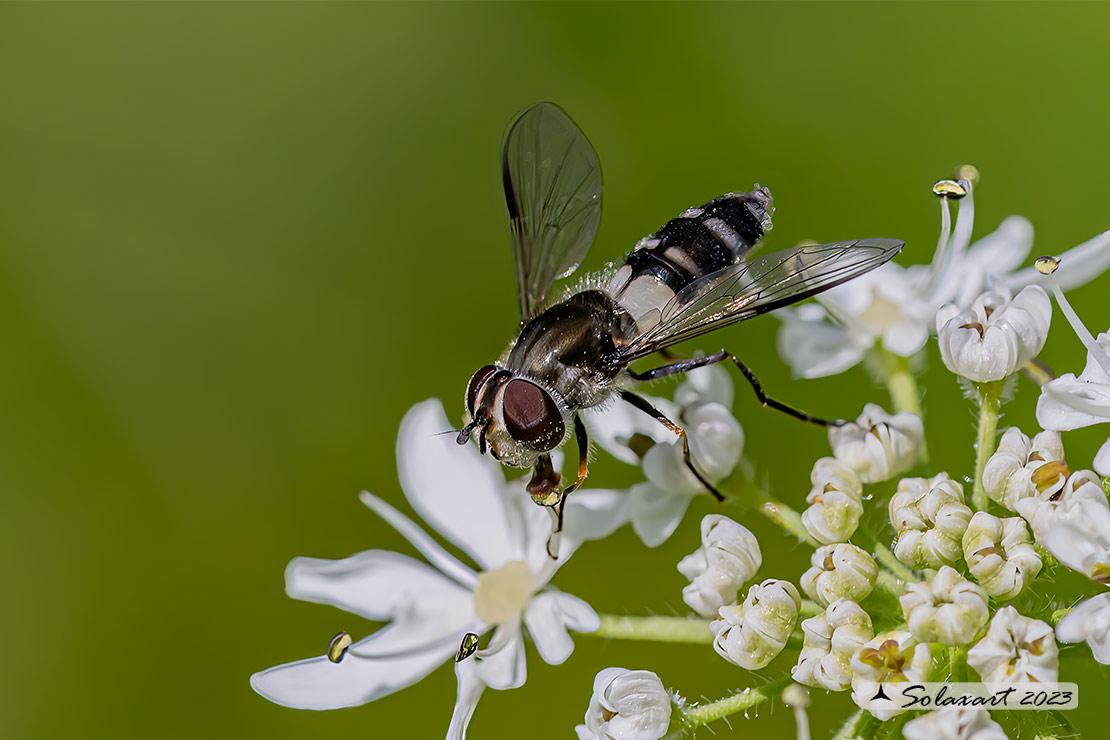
<point>659,416</point>
<point>685,366</point>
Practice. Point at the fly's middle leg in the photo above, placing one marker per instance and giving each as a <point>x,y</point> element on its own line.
<point>659,416</point>
<point>684,366</point>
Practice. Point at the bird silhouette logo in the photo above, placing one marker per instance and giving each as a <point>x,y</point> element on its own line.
<point>880,694</point>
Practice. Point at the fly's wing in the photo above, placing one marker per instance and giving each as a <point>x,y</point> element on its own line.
<point>754,287</point>
<point>553,191</point>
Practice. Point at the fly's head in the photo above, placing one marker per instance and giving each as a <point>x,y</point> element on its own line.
<point>515,418</point>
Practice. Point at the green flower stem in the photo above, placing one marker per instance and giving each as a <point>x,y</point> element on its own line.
<point>700,715</point>
<point>889,583</point>
<point>785,517</point>
<point>902,387</point>
<point>860,726</point>
<point>690,630</point>
<point>886,558</point>
<point>957,663</point>
<point>810,609</point>
<point>1056,616</point>
<point>990,401</point>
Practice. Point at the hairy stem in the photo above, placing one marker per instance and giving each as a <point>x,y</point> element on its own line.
<point>990,401</point>
<point>886,558</point>
<point>697,716</point>
<point>860,726</point>
<point>691,630</point>
<point>785,517</point>
<point>957,663</point>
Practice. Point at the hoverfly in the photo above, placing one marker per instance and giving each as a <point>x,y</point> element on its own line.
<point>690,277</point>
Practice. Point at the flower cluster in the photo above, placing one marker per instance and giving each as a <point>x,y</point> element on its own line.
<point>921,569</point>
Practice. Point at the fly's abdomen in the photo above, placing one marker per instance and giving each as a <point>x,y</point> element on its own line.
<point>697,243</point>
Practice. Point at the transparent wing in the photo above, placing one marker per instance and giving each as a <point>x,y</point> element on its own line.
<point>754,287</point>
<point>553,190</point>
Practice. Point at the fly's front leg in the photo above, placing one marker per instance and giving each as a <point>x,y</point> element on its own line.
<point>659,416</point>
<point>677,368</point>
<point>544,486</point>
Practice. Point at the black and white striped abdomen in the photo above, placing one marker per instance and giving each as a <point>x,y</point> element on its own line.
<point>700,241</point>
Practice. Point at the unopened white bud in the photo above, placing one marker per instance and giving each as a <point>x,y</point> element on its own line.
<point>996,336</point>
<point>930,518</point>
<point>840,571</point>
<point>891,656</point>
<point>878,446</point>
<point>830,640</point>
<point>1000,554</point>
<point>1042,512</point>
<point>728,557</point>
<point>627,705</point>
<point>1016,649</point>
<point>948,608</point>
<point>836,502</point>
<point>753,633</point>
<point>1022,468</point>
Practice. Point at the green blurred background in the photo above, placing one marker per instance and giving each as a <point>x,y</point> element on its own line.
<point>237,242</point>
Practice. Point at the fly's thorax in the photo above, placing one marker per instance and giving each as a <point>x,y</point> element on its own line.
<point>517,417</point>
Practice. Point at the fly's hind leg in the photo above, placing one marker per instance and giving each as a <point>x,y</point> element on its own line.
<point>677,368</point>
<point>544,486</point>
<point>659,416</point>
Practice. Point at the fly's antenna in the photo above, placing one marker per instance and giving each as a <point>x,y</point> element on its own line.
<point>480,422</point>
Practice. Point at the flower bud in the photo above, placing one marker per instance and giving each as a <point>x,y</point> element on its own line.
<point>1021,468</point>
<point>627,705</point>
<point>841,571</point>
<point>1016,649</point>
<point>1000,554</point>
<point>830,641</point>
<point>728,557</point>
<point>1043,512</point>
<point>836,502</point>
<point>753,633</point>
<point>930,518</point>
<point>891,656</point>
<point>948,608</point>
<point>996,336</point>
<point>878,446</point>
<point>954,724</point>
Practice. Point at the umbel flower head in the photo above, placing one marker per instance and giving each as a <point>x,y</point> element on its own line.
<point>835,502</point>
<point>1016,649</point>
<point>830,640</point>
<point>430,607</point>
<point>996,336</point>
<point>1000,554</point>
<point>948,608</point>
<point>753,633</point>
<point>878,446</point>
<point>930,518</point>
<point>1022,467</point>
<point>727,559</point>
<point>626,705</point>
<point>840,571</point>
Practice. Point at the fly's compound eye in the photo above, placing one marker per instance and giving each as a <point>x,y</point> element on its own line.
<point>475,385</point>
<point>531,416</point>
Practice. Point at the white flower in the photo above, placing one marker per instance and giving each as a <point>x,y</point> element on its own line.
<point>895,307</point>
<point>954,724</point>
<point>1079,537</point>
<point>930,518</point>
<point>1000,554</point>
<point>836,502</point>
<point>1021,468</point>
<point>430,608</point>
<point>728,557</point>
<point>1102,459</point>
<point>1016,649</point>
<point>753,633</point>
<point>947,608</point>
<point>702,407</point>
<point>892,656</point>
<point>830,640</point>
<point>996,336</point>
<point>1043,509</point>
<point>1089,622</point>
<point>878,446</point>
<point>626,705</point>
<point>840,571</point>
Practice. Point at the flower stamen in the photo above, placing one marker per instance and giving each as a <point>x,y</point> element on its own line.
<point>1047,266</point>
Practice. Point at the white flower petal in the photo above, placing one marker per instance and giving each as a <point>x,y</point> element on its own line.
<point>656,513</point>
<point>1089,622</point>
<point>501,665</point>
<point>815,348</point>
<point>444,561</point>
<point>1078,265</point>
<point>1102,459</point>
<point>381,585</point>
<point>612,425</point>
<point>317,683</point>
<point>454,488</point>
<point>1068,403</point>
<point>549,618</point>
